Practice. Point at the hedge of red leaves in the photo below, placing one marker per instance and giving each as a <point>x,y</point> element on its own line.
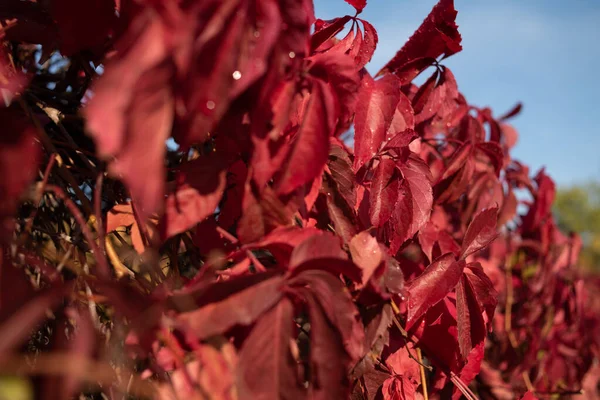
<point>264,258</point>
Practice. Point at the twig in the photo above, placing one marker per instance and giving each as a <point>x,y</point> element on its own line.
<point>103,270</point>
<point>422,371</point>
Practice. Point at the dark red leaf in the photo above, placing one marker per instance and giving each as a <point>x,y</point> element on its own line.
<point>83,25</point>
<point>19,154</point>
<point>328,359</point>
<point>321,245</point>
<point>197,197</point>
<point>310,146</point>
<point>438,279</point>
<point>239,308</point>
<point>458,160</point>
<point>367,47</point>
<point>494,153</point>
<point>325,30</point>
<point>377,102</point>
<point>481,231</point>
<point>267,366</point>
<point>130,116</point>
<point>16,327</point>
<point>437,35</point>
<point>471,327</point>
<point>384,192</point>
<point>512,112</point>
<point>358,4</point>
<point>337,306</point>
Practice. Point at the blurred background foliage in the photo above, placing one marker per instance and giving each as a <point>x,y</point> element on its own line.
<point>577,209</point>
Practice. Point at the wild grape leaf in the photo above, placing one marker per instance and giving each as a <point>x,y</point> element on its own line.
<point>399,388</point>
<point>375,109</point>
<point>437,35</point>
<point>458,160</point>
<point>83,25</point>
<point>366,253</point>
<point>471,327</point>
<point>400,139</point>
<point>239,308</point>
<point>321,245</point>
<point>435,242</point>
<point>483,289</point>
<point>262,212</point>
<point>337,306</point>
<point>239,36</point>
<point>470,370</point>
<point>267,367</point>
<point>325,30</point>
<point>481,231</point>
<point>19,155</point>
<point>16,327</point>
<point>328,359</point>
<point>494,152</point>
<point>542,207</point>
<point>384,191</point>
<point>310,146</point>
<point>197,198</point>
<point>340,167</point>
<point>230,208</point>
<point>528,396</point>
<point>358,4</point>
<point>438,279</point>
<point>416,202</point>
<point>131,114</point>
<point>341,73</point>
<point>281,242</point>
<point>367,47</point>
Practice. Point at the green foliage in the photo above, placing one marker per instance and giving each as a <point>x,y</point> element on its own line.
<point>577,209</point>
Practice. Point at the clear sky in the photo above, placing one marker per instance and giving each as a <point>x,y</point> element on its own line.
<point>544,53</point>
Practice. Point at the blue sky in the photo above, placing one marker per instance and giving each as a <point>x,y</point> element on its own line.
<point>544,53</point>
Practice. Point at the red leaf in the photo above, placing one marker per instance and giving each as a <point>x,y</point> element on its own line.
<point>358,4</point>
<point>384,192</point>
<point>377,102</point>
<point>529,396</point>
<point>512,112</point>
<point>438,279</point>
<point>458,160</point>
<point>267,367</point>
<point>197,198</point>
<point>367,47</point>
<point>282,241</point>
<point>480,233</point>
<point>131,113</point>
<point>325,30</point>
<point>19,154</point>
<point>414,207</point>
<point>83,25</point>
<point>239,308</point>
<point>338,307</point>
<point>494,153</point>
<point>399,388</point>
<point>437,35</point>
<point>471,327</point>
<point>366,253</point>
<point>16,327</point>
<point>328,360</point>
<point>310,146</point>
<point>262,213</point>
<point>340,167</point>
<point>323,245</point>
